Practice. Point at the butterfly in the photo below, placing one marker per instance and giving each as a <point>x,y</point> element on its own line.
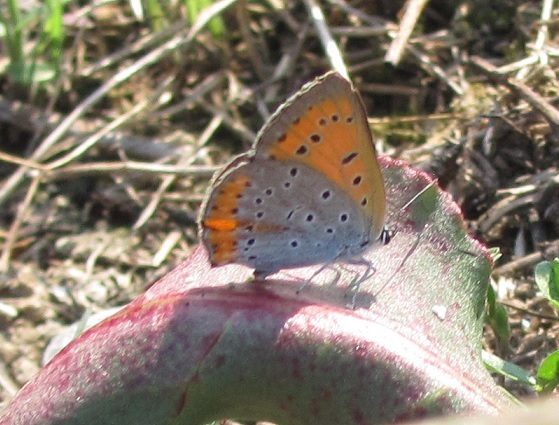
<point>309,192</point>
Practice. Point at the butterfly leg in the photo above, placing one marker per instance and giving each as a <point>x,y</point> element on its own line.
<point>359,279</point>
<point>315,274</point>
<point>261,275</point>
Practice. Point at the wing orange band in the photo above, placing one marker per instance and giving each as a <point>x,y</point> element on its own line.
<point>221,224</point>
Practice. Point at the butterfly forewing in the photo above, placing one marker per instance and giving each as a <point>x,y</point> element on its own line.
<point>325,127</point>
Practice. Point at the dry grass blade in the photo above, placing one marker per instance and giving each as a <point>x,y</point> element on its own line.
<point>149,59</point>
<point>109,128</point>
<point>328,43</point>
<point>16,224</point>
<point>412,11</point>
<point>529,95</point>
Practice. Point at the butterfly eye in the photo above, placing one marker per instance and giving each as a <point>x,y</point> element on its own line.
<point>386,235</point>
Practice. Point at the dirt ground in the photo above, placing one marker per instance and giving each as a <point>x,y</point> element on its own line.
<point>104,170</point>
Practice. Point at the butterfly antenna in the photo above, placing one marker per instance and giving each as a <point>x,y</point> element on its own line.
<point>387,234</point>
<point>397,270</point>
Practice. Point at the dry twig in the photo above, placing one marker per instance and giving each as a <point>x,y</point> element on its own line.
<point>412,12</point>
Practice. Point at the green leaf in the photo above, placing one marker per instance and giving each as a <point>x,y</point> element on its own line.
<point>53,30</point>
<point>548,373</point>
<point>497,318</point>
<point>27,73</point>
<point>507,369</point>
<point>195,7</point>
<point>547,279</point>
<point>495,253</point>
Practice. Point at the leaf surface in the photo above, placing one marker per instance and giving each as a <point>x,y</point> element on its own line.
<point>204,344</point>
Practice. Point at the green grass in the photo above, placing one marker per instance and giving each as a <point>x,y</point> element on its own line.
<point>34,40</point>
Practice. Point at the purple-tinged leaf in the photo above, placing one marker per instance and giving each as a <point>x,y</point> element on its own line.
<point>204,344</point>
